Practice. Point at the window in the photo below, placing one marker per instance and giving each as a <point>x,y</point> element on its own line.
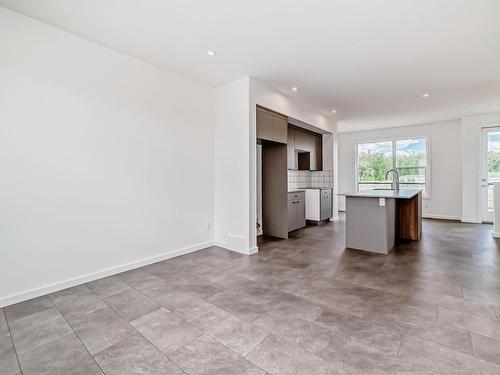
<point>408,156</point>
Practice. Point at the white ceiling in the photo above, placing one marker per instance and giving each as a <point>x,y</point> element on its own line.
<point>369,59</point>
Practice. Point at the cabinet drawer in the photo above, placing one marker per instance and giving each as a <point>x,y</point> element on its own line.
<point>299,195</point>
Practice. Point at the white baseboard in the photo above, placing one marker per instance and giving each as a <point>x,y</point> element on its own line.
<point>472,221</point>
<point>54,287</point>
<point>250,251</point>
<point>441,217</point>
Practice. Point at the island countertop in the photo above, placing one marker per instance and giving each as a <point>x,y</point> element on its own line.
<point>405,193</point>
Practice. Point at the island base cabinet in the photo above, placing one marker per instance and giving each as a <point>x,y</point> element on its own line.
<point>410,218</point>
<point>370,226</point>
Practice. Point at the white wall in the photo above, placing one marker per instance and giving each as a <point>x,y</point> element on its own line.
<point>232,150</point>
<point>445,156</point>
<point>105,161</point>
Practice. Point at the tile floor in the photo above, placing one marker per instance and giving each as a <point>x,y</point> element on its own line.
<point>301,306</point>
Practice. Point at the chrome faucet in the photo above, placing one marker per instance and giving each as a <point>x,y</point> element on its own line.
<point>395,183</point>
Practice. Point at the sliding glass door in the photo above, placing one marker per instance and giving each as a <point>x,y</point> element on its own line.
<point>490,170</point>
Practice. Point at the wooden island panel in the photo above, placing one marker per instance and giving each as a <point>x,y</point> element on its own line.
<point>410,218</point>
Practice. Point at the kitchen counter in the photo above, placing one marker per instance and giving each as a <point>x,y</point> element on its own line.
<point>377,219</point>
<point>296,190</point>
<point>385,193</point>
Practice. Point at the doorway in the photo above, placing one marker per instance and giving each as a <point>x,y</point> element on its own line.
<point>490,169</point>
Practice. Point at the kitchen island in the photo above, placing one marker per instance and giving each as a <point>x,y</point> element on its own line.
<point>376,219</point>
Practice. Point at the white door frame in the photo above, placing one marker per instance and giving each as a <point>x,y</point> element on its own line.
<point>486,215</point>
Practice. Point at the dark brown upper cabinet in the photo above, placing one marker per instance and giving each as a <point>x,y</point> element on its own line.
<point>302,142</point>
<point>305,150</point>
<point>290,147</point>
<point>271,126</point>
<point>316,152</point>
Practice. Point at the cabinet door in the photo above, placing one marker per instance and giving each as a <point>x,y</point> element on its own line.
<point>313,162</point>
<point>290,148</point>
<point>301,213</point>
<point>301,140</point>
<point>264,125</point>
<point>280,125</point>
<point>319,152</point>
<point>291,215</point>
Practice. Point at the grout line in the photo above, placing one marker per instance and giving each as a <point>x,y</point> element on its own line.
<point>202,332</point>
<point>76,334</point>
<point>400,345</point>
<point>497,314</point>
<point>12,341</point>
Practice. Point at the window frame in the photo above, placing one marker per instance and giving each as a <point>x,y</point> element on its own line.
<point>427,194</point>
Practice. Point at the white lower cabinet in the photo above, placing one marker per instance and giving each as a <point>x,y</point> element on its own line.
<point>318,204</point>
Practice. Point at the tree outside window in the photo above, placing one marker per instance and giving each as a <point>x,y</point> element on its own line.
<point>408,156</point>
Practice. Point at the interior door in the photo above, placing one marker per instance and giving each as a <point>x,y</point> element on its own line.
<point>490,169</point>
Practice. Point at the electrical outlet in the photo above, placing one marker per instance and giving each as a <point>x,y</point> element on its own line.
<point>209,226</point>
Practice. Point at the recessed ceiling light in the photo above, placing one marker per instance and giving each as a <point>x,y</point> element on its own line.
<point>334,111</point>
<point>425,95</point>
<point>295,88</point>
<point>211,53</point>
<point>424,117</point>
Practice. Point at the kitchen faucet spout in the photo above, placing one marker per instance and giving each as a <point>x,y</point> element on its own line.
<point>395,183</point>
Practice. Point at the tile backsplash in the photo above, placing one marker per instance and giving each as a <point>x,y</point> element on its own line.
<point>305,179</point>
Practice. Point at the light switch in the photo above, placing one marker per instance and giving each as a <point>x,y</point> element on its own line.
<point>381,202</point>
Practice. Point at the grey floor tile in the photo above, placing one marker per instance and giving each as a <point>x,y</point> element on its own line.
<point>384,366</point>
<point>480,310</point>
<point>147,285</point>
<point>195,285</point>
<point>101,329</point>
<point>77,302</point>
<point>63,356</point>
<point>183,303</point>
<point>131,304</point>
<point>3,322</point>
<point>280,357</point>
<point>243,306</point>
<point>339,321</point>
<point>236,334</point>
<point>485,327</point>
<point>486,348</point>
<point>437,358</point>
<point>295,307</point>
<point>360,352</point>
<point>489,368</point>
<point>38,329</point>
<point>309,336</point>
<point>444,334</point>
<point>108,286</point>
<point>133,276</point>
<point>135,355</point>
<point>166,330</point>
<point>369,302</point>
<point>206,356</point>
<point>8,358</point>
<point>32,306</point>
